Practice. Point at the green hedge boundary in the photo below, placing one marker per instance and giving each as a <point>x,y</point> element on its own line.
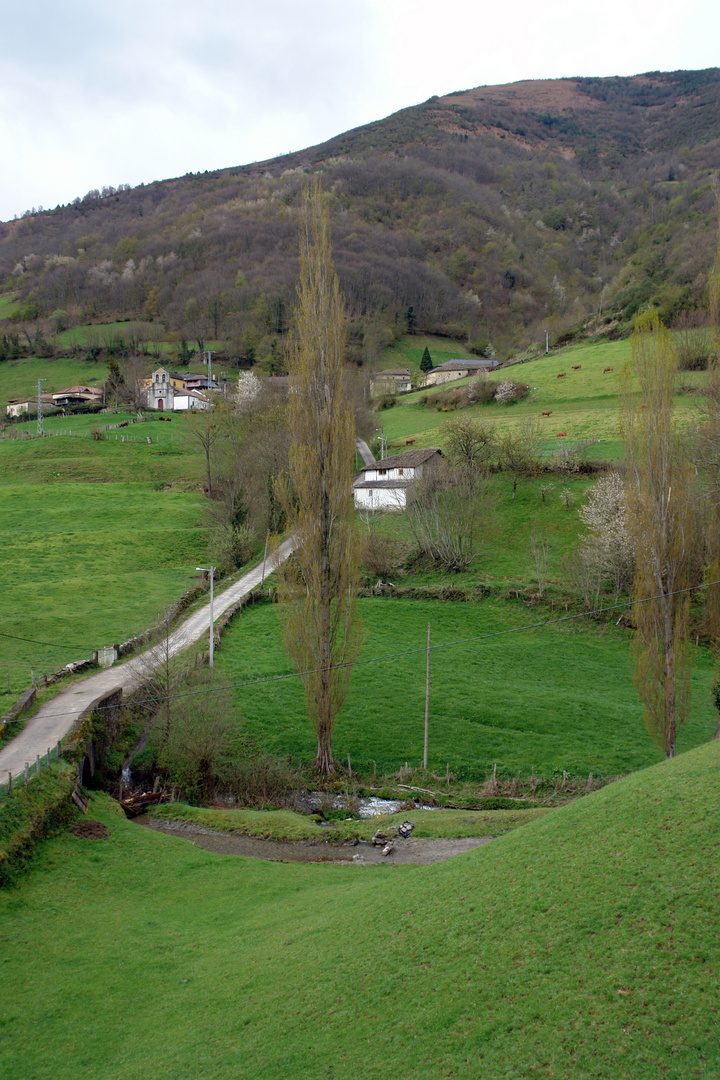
<point>27,814</point>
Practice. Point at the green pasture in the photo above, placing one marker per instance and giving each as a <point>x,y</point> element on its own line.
<point>581,945</point>
<point>19,378</point>
<point>408,351</point>
<point>85,565</point>
<point>552,698</point>
<point>8,302</point>
<point>504,533</point>
<point>69,453</point>
<point>584,403</point>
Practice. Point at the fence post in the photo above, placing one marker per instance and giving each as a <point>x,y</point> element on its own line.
<point>48,758</point>
<point>9,782</point>
<point>37,764</point>
<point>27,773</point>
<point>58,755</point>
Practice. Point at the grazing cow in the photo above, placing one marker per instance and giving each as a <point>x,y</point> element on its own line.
<point>409,442</point>
<point>576,367</point>
<point>548,413</point>
<point>561,374</point>
<point>561,434</point>
<point>605,370</point>
<point>124,423</point>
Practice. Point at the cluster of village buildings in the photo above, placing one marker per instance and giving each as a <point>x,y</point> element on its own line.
<point>380,485</point>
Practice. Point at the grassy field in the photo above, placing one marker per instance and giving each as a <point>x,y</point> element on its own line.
<point>7,304</point>
<point>19,378</point>
<point>580,946</point>
<point>86,565</point>
<point>584,403</point>
<point>408,352</point>
<point>554,698</point>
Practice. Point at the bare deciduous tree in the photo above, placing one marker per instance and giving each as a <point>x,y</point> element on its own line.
<point>659,515</point>
<point>470,442</point>
<point>318,585</point>
<point>447,516</point>
<point>518,451</point>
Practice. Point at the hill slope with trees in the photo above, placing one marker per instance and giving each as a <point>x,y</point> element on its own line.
<point>488,215</point>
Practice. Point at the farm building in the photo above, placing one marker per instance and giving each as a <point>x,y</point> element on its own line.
<point>458,369</point>
<point>391,381</point>
<point>384,485</point>
<point>26,405</point>
<point>78,395</point>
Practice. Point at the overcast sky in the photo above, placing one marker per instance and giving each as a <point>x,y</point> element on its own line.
<point>94,93</point>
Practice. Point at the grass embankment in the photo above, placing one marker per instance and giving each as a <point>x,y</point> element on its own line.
<point>584,404</point>
<point>288,825</point>
<point>581,945</point>
<point>554,698</point>
<point>27,814</point>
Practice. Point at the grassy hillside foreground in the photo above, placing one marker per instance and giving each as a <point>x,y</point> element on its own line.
<point>582,945</point>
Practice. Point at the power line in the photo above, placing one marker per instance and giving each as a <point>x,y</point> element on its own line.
<point>282,676</point>
<point>34,641</point>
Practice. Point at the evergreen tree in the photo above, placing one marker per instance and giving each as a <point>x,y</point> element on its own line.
<point>426,363</point>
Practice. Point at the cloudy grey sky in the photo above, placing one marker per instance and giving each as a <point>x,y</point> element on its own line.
<point>94,93</point>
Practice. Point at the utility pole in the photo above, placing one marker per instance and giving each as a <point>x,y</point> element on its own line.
<point>40,429</point>
<point>211,571</point>
<point>209,365</point>
<point>547,341</point>
<point>427,701</point>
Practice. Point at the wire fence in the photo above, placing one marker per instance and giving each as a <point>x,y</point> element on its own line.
<point>109,434</point>
<point>31,770</point>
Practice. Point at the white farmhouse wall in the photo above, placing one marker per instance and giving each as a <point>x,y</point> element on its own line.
<point>380,498</point>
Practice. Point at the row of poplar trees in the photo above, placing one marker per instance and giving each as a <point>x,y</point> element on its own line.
<point>673,513</point>
<point>318,586</point>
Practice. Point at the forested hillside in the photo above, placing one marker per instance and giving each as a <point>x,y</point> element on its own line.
<point>488,215</point>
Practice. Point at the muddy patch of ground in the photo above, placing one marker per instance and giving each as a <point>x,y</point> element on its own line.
<point>93,830</point>
<point>410,851</point>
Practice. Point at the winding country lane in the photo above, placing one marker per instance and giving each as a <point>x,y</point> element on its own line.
<point>55,718</point>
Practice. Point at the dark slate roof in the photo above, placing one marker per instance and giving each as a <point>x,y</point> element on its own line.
<point>396,372</point>
<point>410,459</point>
<point>466,365</point>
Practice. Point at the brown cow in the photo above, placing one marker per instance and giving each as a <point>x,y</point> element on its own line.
<point>548,413</point>
<point>605,370</point>
<point>576,367</point>
<point>409,442</point>
<point>561,434</point>
<point>561,374</point>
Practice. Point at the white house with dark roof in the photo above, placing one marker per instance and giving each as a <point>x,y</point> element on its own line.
<point>384,485</point>
<point>458,369</point>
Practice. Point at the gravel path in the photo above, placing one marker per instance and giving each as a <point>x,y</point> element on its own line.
<point>55,718</point>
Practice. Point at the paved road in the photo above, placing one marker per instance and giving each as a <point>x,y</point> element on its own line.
<point>57,716</point>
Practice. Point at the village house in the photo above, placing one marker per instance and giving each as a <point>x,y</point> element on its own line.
<point>458,369</point>
<point>384,485</point>
<point>78,395</point>
<point>391,381</point>
<point>25,405</point>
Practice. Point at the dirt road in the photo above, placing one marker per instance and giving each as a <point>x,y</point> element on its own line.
<point>57,716</point>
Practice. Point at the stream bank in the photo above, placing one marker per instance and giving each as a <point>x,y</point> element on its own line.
<point>410,851</point>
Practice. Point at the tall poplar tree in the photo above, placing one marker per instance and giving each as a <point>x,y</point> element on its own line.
<point>660,520</point>
<point>319,584</point>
